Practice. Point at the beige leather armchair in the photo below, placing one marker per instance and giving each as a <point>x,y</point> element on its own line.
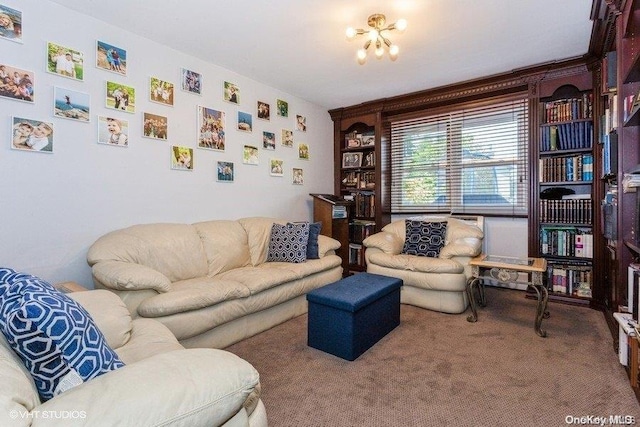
<point>434,283</point>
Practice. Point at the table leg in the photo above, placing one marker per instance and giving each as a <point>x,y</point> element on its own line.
<point>541,309</point>
<point>473,317</point>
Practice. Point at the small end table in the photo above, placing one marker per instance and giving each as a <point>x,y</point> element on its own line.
<point>506,269</point>
<point>69,287</point>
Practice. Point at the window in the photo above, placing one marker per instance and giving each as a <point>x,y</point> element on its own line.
<point>471,160</point>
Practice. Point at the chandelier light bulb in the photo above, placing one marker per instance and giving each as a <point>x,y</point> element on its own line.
<point>373,35</point>
<point>401,24</point>
<point>351,33</point>
<point>362,55</point>
<point>379,52</point>
<point>393,50</point>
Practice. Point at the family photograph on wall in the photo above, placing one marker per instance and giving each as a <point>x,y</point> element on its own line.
<point>32,135</point>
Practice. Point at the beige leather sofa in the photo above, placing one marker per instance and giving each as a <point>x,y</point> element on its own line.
<point>209,282</point>
<point>434,283</point>
<point>162,383</point>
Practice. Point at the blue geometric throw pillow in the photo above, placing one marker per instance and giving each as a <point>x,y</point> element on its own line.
<point>54,336</point>
<point>288,243</point>
<point>424,238</point>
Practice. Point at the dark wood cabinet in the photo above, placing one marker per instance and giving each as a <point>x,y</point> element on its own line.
<point>333,213</point>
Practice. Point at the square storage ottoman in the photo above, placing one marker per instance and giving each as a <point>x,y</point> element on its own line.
<point>349,316</point>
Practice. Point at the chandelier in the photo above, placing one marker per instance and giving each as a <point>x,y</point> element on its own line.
<point>376,36</point>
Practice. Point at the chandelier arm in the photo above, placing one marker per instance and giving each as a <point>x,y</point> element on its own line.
<point>386,41</point>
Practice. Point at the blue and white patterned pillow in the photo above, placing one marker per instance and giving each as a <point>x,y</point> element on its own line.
<point>54,335</point>
<point>424,238</point>
<point>288,243</point>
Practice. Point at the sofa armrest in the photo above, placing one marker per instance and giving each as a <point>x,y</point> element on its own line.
<point>195,387</point>
<point>126,276</point>
<point>327,245</point>
<point>109,313</point>
<point>387,242</point>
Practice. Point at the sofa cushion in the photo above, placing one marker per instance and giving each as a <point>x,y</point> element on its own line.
<point>313,251</point>
<point>288,242</point>
<point>174,250</point>
<point>414,263</point>
<point>258,233</point>
<point>459,231</point>
<point>54,336</point>
<point>193,294</point>
<point>424,238</point>
<point>265,276</point>
<point>225,243</point>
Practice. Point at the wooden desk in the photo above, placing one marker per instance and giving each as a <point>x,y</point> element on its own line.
<point>507,270</point>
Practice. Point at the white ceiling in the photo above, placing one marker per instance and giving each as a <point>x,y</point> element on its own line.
<point>299,46</point>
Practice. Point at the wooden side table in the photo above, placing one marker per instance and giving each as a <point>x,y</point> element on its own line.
<point>507,270</point>
<point>69,287</point>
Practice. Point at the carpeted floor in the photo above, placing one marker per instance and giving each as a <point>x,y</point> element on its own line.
<point>437,369</point>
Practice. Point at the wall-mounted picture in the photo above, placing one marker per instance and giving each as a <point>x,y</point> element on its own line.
<point>287,137</point>
<point>65,61</point>
<point>111,58</point>
<point>225,171</point>
<point>231,93</point>
<point>250,155</point>
<point>298,176</point>
<point>245,122</point>
<point>120,97</point>
<point>282,108</point>
<point>10,24</point>
<point>70,104</point>
<point>160,91</point>
<point>181,158</point>
<point>190,81</point>
<point>351,160</point>
<point>301,123</point>
<point>276,167</point>
<point>264,111</point>
<point>211,134</point>
<point>303,151</point>
<point>113,131</point>
<point>16,83</point>
<point>154,126</point>
<point>32,135</point>
<point>268,140</point>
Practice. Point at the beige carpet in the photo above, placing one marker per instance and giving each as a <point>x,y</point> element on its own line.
<point>437,369</point>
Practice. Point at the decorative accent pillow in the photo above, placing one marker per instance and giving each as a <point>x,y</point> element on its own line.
<point>288,243</point>
<point>54,336</point>
<point>424,238</point>
<point>313,251</point>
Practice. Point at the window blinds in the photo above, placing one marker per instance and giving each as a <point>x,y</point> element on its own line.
<point>466,160</point>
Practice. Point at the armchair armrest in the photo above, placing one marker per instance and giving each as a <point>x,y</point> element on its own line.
<point>213,386</point>
<point>127,276</point>
<point>326,245</point>
<point>387,242</point>
<point>469,247</point>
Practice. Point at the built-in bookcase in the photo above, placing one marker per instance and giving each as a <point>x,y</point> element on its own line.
<point>565,216</point>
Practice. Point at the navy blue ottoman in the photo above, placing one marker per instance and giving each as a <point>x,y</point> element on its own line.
<point>349,316</point>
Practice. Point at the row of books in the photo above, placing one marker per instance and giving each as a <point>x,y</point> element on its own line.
<point>566,168</point>
<point>567,211</point>
<point>356,254</point>
<point>564,110</point>
<point>566,136</point>
<point>571,242</point>
<point>360,230</point>
<point>361,179</point>
<point>572,280</point>
<point>609,154</point>
<point>364,204</point>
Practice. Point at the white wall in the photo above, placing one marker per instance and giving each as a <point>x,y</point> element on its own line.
<point>54,206</point>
